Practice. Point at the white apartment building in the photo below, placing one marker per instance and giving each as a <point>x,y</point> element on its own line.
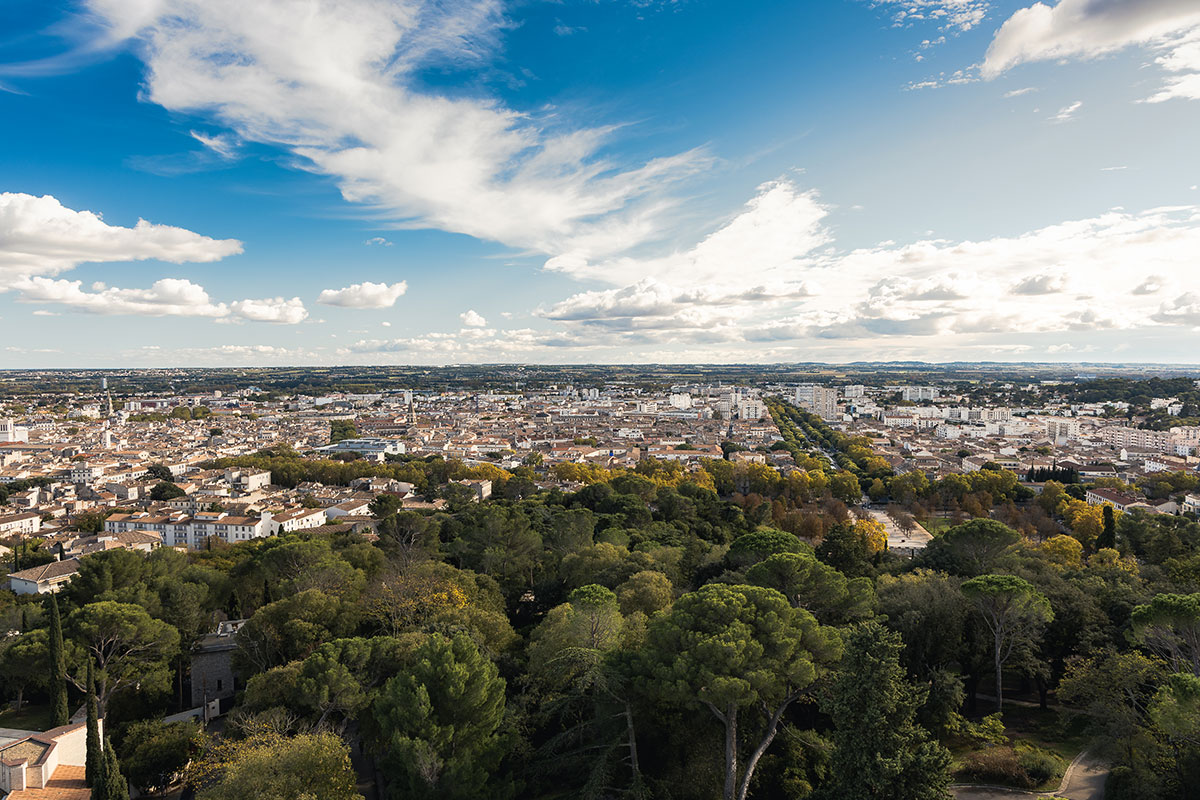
<point>1179,440</point>
<point>193,530</point>
<point>918,393</point>
<point>681,400</point>
<point>298,520</point>
<point>24,524</point>
<point>1191,503</point>
<point>751,408</point>
<point>856,390</point>
<point>248,480</point>
<point>1059,429</point>
<point>821,401</point>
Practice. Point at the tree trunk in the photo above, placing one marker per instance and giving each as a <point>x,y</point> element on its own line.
<point>768,737</point>
<point>20,697</point>
<point>633,753</point>
<point>1043,688</point>
<point>731,759</point>
<point>999,677</point>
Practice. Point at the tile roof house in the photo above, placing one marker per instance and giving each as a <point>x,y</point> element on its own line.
<point>46,766</point>
<point>44,579</point>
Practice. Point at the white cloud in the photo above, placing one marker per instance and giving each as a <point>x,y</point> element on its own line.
<point>272,309</point>
<point>1067,112</point>
<point>339,87</point>
<point>1091,28</point>
<point>948,15</point>
<point>778,226</point>
<point>166,297</point>
<point>364,295</point>
<point>174,297</point>
<point>471,319</point>
<point>1183,310</point>
<point>1040,284</point>
<point>40,236</point>
<point>379,240</point>
<point>1019,92</point>
<point>890,295</point>
<point>1183,59</point>
<point>223,144</point>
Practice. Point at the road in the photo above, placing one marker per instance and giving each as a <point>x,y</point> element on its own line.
<point>1084,780</point>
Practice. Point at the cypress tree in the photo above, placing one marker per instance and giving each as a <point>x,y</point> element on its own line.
<point>94,753</point>
<point>112,784</point>
<point>58,666</point>
<point>1108,537</point>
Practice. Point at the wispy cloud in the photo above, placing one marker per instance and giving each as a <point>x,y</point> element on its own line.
<point>337,86</point>
<point>1067,112</point>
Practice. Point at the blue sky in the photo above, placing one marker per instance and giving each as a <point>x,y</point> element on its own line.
<point>191,182</point>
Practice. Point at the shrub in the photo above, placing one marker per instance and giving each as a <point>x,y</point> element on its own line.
<point>995,765</point>
<point>1040,765</point>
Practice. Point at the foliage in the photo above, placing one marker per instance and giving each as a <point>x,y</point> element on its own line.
<point>439,721</point>
<point>272,766</point>
<point>155,753</point>
<point>880,751</point>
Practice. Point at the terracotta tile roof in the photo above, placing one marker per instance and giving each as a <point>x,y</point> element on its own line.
<point>66,784</point>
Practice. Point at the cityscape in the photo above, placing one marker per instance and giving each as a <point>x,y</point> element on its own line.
<point>599,400</point>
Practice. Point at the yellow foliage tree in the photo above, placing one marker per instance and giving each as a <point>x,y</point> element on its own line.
<point>1063,551</point>
<point>874,532</point>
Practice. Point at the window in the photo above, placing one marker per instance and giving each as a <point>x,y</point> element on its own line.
<point>220,684</point>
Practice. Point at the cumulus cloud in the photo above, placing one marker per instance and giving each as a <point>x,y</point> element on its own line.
<point>40,236</point>
<point>1149,286</point>
<point>339,87</point>
<point>1183,310</point>
<point>1091,28</point>
<point>1040,284</point>
<point>174,297</point>
<point>364,295</point>
<point>166,297</point>
<point>894,293</point>
<point>762,244</point>
<point>279,310</point>
<point>471,319</point>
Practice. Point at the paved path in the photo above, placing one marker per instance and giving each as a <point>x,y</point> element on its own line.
<point>1083,780</point>
<point>916,539</point>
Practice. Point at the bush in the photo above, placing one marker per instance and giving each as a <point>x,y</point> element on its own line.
<point>1040,765</point>
<point>995,765</point>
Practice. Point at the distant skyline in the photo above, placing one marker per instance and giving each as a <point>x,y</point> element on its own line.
<point>211,182</point>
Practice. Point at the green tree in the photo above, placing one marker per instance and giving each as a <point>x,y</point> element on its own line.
<point>1013,610</point>
<point>155,753</point>
<point>1108,536</point>
<point>24,662</point>
<point>270,766</point>
<point>439,720</point>
<point>385,505</point>
<point>972,548</point>
<point>880,752</point>
<point>58,666</point>
<point>166,491</point>
<point>1170,626</point>
<point>845,487</point>
<point>130,648</point>
<point>815,586</point>
<point>159,472</point>
<point>110,783</point>
<point>94,754</point>
<point>730,648</point>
